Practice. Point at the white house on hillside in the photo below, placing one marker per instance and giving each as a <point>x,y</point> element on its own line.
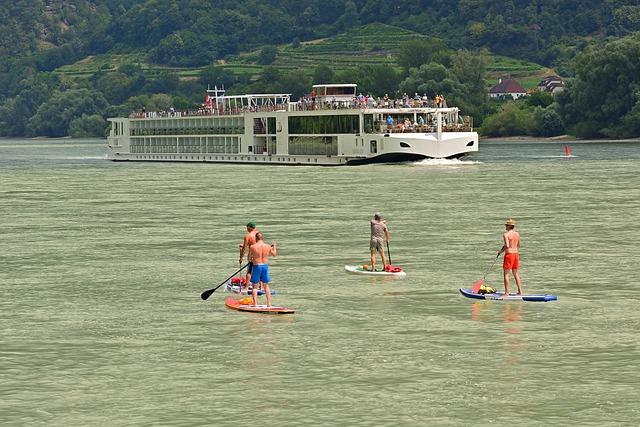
<point>553,84</point>
<point>507,87</point>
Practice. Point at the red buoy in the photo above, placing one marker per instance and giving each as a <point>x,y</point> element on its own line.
<point>567,151</point>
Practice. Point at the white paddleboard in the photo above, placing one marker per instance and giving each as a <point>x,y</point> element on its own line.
<point>357,269</point>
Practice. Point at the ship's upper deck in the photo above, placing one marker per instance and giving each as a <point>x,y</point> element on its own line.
<point>325,99</point>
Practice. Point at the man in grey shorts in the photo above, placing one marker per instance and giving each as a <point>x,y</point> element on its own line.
<point>379,233</point>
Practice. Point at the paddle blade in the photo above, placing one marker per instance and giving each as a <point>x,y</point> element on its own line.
<point>207,294</point>
<point>477,285</point>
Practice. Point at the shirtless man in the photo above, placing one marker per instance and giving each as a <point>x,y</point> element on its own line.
<point>379,232</point>
<point>249,239</point>
<point>259,253</point>
<point>511,257</point>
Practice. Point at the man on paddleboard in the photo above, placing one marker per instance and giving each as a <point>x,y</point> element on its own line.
<point>249,239</point>
<point>511,257</point>
<point>259,253</point>
<point>379,232</point>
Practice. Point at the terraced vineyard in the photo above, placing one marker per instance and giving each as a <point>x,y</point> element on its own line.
<point>367,45</point>
<point>371,44</point>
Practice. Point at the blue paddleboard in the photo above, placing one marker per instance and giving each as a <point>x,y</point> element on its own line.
<point>512,297</point>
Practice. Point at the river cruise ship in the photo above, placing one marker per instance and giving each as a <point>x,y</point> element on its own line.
<point>333,125</point>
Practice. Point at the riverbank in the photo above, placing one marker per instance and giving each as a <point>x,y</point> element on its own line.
<point>559,138</point>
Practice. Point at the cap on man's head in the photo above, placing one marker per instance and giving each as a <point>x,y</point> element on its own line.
<point>377,215</point>
<point>510,221</point>
<point>251,224</point>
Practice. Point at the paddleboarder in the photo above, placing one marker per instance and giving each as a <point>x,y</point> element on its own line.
<point>259,253</point>
<point>511,261</point>
<point>379,232</point>
<point>249,239</point>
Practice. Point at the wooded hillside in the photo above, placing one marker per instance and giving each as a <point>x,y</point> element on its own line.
<point>122,54</point>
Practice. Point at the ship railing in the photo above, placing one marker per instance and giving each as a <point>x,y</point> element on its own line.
<point>305,104</point>
<point>401,128</point>
<point>301,105</point>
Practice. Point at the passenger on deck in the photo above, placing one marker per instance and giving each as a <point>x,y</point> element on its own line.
<point>407,125</point>
<point>389,122</point>
<point>420,121</point>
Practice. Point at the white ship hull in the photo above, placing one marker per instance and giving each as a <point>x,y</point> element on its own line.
<point>422,146</point>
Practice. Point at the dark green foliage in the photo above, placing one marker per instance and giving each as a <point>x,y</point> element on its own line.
<point>539,98</point>
<point>88,126</point>
<point>117,87</point>
<point>626,19</point>
<point>166,82</point>
<point>214,75</point>
<point>185,48</point>
<point>267,55</point>
<point>372,79</point>
<point>38,36</point>
<point>323,74</point>
<point>519,118</point>
<point>510,120</point>
<point>604,97</point>
<point>547,122</point>
<point>54,116</point>
<point>414,53</point>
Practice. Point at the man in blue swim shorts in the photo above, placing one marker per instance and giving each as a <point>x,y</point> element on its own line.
<point>249,239</point>
<point>259,253</point>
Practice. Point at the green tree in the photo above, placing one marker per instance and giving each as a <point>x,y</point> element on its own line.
<point>214,75</point>
<point>547,122</point>
<point>322,74</point>
<point>374,79</point>
<point>15,112</point>
<point>510,120</point>
<point>267,55</point>
<point>539,98</point>
<point>350,17</point>
<point>605,91</point>
<point>413,53</point>
<point>88,126</point>
<point>471,70</point>
<point>626,19</point>
<point>54,116</point>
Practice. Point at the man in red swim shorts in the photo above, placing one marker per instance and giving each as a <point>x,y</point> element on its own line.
<point>511,257</point>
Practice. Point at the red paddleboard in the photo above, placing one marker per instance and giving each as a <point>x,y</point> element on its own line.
<point>235,304</point>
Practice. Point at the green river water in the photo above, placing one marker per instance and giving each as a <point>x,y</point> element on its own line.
<point>102,265</point>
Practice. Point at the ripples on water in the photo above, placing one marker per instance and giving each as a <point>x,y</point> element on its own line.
<point>103,264</point>
<point>442,162</point>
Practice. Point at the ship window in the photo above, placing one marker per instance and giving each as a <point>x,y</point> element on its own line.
<point>373,146</point>
<point>305,145</point>
<point>271,125</point>
<point>368,123</point>
<point>334,124</point>
<point>405,145</point>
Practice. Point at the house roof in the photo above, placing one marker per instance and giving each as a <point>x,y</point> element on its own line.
<point>507,86</point>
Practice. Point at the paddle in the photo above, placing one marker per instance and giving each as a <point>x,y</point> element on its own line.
<point>479,283</point>
<point>207,294</point>
<point>389,252</point>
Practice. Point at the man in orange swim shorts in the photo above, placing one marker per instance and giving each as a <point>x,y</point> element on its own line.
<point>511,256</point>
